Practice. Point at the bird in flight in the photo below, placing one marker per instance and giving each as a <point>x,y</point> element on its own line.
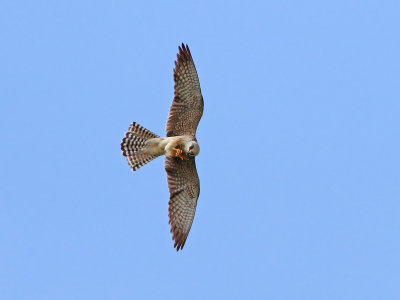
<point>180,147</point>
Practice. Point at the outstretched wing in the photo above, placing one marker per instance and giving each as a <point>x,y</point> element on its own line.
<point>187,107</point>
<point>184,190</point>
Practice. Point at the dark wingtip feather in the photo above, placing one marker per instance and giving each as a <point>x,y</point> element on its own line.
<point>183,54</point>
<point>179,246</point>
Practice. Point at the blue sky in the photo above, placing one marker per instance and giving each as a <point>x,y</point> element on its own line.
<point>299,162</point>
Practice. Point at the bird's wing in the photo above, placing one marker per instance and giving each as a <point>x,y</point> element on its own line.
<point>187,107</point>
<point>184,190</point>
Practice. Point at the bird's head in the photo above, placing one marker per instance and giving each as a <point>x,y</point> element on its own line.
<point>192,149</point>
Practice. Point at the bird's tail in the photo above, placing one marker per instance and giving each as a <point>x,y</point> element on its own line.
<point>133,146</point>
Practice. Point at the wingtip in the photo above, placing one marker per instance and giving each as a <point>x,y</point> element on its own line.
<point>179,247</point>
<point>178,238</point>
<point>184,46</point>
<point>183,50</point>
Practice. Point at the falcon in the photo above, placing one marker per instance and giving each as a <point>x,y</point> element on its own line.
<point>180,147</point>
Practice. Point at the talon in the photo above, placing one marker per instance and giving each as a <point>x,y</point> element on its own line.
<point>178,153</point>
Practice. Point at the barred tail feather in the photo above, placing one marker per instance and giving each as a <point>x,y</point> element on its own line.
<point>138,160</point>
<point>133,146</point>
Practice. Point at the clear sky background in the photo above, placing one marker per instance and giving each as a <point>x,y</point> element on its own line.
<point>299,162</point>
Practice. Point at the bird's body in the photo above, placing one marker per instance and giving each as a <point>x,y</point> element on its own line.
<point>168,146</point>
<point>180,146</point>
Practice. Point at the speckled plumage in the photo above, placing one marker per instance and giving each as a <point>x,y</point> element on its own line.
<point>180,147</point>
<point>187,107</point>
<point>184,189</point>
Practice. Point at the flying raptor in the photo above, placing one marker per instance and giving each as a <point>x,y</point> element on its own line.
<point>180,147</point>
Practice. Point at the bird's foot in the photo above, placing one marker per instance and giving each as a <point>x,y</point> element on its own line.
<point>179,153</point>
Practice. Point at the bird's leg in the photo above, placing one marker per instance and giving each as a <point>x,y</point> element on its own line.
<point>174,149</point>
<point>179,153</point>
